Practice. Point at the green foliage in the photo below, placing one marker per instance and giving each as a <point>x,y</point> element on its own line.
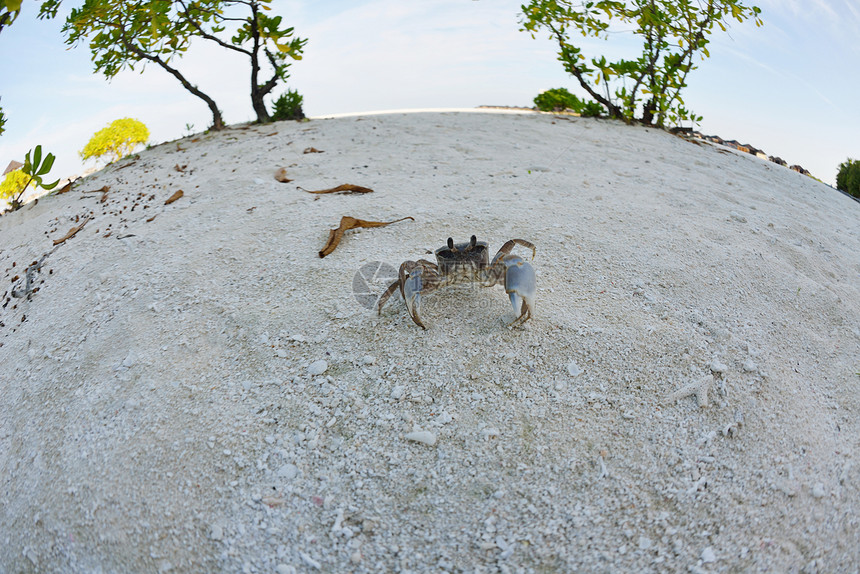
<point>673,33</point>
<point>559,99</point>
<point>288,106</point>
<point>2,121</point>
<point>848,177</point>
<point>125,33</point>
<point>9,10</point>
<point>117,140</point>
<point>16,182</point>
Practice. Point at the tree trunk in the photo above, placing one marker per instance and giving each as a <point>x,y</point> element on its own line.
<point>217,120</point>
<point>256,93</point>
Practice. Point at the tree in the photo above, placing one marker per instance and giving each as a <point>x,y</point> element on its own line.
<point>124,33</point>
<point>673,33</point>
<point>848,177</point>
<point>117,140</point>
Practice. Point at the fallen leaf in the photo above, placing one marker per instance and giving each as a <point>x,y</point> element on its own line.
<point>65,188</point>
<point>281,175</point>
<point>347,223</point>
<point>312,150</point>
<point>151,218</point>
<point>346,188</point>
<point>72,232</point>
<point>174,197</point>
<point>180,168</point>
<point>104,189</point>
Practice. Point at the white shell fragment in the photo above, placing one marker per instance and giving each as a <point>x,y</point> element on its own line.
<point>424,437</point>
<point>317,368</point>
<point>573,369</point>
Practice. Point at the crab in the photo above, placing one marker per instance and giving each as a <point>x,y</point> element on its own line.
<point>468,262</point>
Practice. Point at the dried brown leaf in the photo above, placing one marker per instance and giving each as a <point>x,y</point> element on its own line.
<point>281,175</point>
<point>104,189</point>
<point>312,150</point>
<point>174,197</point>
<point>345,188</point>
<point>180,168</point>
<point>66,188</point>
<point>347,223</point>
<point>72,232</point>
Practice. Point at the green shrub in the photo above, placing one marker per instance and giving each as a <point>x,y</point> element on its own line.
<point>559,99</point>
<point>288,107</point>
<point>848,178</point>
<point>117,140</point>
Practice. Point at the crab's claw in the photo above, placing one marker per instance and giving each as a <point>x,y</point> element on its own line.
<point>411,285</point>
<point>521,285</point>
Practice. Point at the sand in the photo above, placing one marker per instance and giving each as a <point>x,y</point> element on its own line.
<point>192,389</point>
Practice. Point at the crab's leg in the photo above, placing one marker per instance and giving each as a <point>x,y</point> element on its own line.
<point>521,286</point>
<point>411,284</point>
<point>508,247</point>
<point>417,278</point>
<point>388,292</point>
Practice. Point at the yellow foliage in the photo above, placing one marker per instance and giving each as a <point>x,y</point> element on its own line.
<point>117,140</point>
<point>13,184</point>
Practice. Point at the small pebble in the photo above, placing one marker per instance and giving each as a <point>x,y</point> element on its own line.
<point>397,392</point>
<point>750,366</point>
<point>708,555</point>
<point>288,471</point>
<point>573,369</point>
<point>285,569</point>
<point>217,533</point>
<point>719,367</point>
<point>317,368</point>
<point>424,437</point>
<point>818,490</point>
<point>644,543</point>
<point>368,360</point>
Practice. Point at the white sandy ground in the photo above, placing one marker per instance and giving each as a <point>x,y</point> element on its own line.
<point>686,398</point>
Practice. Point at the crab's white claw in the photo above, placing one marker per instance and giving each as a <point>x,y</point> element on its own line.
<point>412,286</point>
<point>521,286</point>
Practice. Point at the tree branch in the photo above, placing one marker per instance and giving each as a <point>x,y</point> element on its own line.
<point>204,34</point>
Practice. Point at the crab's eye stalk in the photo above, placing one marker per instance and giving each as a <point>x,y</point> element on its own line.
<point>450,243</point>
<point>473,242</point>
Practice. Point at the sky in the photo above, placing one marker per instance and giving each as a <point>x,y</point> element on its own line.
<point>789,87</point>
